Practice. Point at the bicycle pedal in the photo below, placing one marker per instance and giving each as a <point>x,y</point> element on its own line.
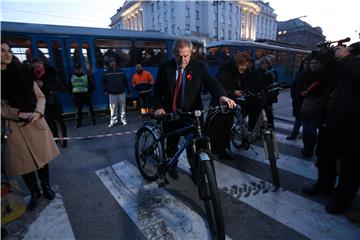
<point>252,148</point>
<point>163,183</point>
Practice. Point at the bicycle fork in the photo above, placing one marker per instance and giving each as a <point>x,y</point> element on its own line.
<point>274,151</point>
<point>203,186</point>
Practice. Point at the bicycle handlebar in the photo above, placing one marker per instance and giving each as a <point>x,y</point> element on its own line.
<point>196,113</point>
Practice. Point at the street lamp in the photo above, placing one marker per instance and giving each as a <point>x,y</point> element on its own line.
<point>217,3</point>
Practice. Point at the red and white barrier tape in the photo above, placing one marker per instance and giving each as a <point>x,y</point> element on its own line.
<point>95,136</point>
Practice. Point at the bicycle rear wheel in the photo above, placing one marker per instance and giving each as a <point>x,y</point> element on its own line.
<point>209,193</point>
<point>148,153</point>
<point>270,151</point>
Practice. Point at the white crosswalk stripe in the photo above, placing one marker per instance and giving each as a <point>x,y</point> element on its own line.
<point>157,213</point>
<point>162,219</point>
<point>304,216</point>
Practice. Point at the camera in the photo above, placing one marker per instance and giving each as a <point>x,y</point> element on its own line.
<point>326,50</point>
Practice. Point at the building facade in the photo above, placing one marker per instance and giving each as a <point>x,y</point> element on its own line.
<point>300,33</point>
<point>207,20</point>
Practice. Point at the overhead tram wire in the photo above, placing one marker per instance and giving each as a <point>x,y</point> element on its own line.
<point>50,15</point>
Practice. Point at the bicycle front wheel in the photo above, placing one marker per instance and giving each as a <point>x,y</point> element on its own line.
<point>148,153</point>
<point>209,193</point>
<point>270,151</point>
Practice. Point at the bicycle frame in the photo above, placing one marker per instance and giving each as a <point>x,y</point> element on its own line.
<point>261,122</point>
<point>192,138</point>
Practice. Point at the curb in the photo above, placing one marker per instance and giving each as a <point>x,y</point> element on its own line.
<point>285,119</point>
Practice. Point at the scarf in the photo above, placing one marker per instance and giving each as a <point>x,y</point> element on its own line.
<point>39,72</point>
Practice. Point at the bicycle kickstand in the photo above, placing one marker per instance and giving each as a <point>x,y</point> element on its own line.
<point>252,148</point>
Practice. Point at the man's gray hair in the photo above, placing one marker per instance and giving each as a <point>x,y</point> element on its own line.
<point>181,43</point>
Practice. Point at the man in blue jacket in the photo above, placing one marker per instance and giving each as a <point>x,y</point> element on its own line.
<point>115,85</point>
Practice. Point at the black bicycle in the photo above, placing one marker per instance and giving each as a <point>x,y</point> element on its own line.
<point>242,138</point>
<point>154,164</point>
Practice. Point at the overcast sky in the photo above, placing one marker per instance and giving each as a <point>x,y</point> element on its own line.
<point>338,19</point>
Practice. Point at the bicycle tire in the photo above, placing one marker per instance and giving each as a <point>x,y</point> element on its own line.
<point>147,151</point>
<point>269,145</point>
<point>208,186</point>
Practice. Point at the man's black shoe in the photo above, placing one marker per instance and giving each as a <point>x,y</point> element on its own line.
<point>316,190</point>
<point>306,153</point>
<point>225,156</point>
<point>291,137</point>
<point>173,173</point>
<point>334,207</point>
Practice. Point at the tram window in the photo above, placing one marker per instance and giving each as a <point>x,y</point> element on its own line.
<point>42,51</point>
<point>198,52</point>
<point>19,46</point>
<point>58,61</point>
<point>86,55</point>
<point>224,54</point>
<point>260,52</point>
<point>75,52</point>
<point>120,50</point>
<point>212,55</point>
<point>150,53</point>
<point>76,55</point>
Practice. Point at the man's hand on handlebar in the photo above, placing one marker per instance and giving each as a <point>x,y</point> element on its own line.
<point>238,93</point>
<point>227,101</point>
<point>158,112</point>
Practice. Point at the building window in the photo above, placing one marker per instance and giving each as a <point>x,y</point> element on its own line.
<point>173,13</point>
<point>197,15</point>
<point>230,35</point>
<point>173,29</point>
<point>187,12</point>
<point>187,27</point>
<point>197,28</point>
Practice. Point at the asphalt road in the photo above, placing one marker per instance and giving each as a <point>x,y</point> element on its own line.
<point>96,211</point>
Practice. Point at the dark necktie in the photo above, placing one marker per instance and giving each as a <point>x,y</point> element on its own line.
<point>177,89</point>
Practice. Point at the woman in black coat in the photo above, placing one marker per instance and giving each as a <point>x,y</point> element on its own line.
<point>232,75</point>
<point>261,80</point>
<point>47,79</point>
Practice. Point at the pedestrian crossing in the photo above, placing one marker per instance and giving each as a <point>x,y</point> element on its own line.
<point>159,214</point>
<point>175,212</point>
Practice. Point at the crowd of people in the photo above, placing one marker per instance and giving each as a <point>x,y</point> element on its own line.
<point>325,97</point>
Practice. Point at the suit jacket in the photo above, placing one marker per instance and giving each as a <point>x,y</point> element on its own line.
<point>195,76</point>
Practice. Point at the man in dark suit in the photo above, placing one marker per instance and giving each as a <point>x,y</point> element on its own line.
<point>178,87</point>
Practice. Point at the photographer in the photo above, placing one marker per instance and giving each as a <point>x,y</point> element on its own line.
<point>339,134</point>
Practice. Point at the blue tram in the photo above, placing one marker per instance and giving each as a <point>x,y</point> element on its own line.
<point>286,63</point>
<point>61,46</point>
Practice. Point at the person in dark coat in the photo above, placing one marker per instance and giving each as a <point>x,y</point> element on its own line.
<point>232,75</point>
<point>178,87</point>
<point>315,82</point>
<point>339,134</point>
<point>30,144</point>
<point>116,86</point>
<point>47,79</point>
<point>262,79</point>
<point>296,90</point>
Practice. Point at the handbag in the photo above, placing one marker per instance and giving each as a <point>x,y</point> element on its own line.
<point>53,99</point>
<point>310,107</point>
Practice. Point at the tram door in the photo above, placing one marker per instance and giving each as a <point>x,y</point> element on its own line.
<point>79,50</point>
